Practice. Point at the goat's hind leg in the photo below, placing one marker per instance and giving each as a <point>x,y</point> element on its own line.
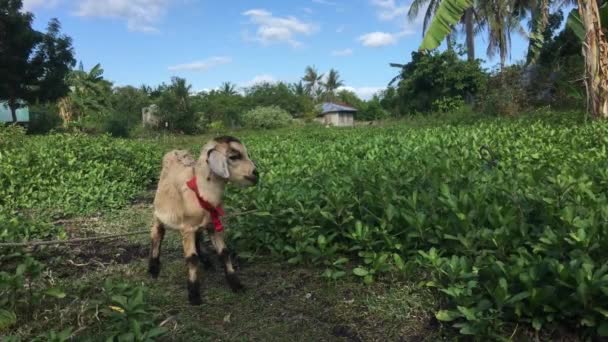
<point>203,255</point>
<point>189,242</point>
<point>157,235</point>
<point>217,238</point>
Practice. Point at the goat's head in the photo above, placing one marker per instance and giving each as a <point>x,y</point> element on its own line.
<point>228,159</point>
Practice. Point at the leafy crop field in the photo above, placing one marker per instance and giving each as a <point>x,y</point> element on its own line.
<point>500,226</point>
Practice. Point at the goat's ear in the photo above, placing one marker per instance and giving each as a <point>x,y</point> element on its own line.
<point>218,164</point>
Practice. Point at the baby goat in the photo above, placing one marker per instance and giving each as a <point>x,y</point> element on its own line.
<point>189,198</point>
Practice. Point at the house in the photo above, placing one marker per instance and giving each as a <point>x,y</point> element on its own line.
<point>23,113</point>
<point>336,114</point>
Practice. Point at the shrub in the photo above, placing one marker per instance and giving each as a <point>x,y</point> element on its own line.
<point>435,76</point>
<point>448,104</point>
<point>116,125</point>
<point>505,94</point>
<point>43,118</point>
<point>372,110</point>
<point>267,117</point>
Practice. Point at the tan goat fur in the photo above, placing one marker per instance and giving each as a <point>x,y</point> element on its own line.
<point>223,159</point>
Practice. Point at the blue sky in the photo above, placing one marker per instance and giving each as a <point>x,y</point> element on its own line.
<point>209,42</point>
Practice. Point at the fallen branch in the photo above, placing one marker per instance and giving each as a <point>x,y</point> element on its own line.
<point>63,242</point>
<point>94,238</point>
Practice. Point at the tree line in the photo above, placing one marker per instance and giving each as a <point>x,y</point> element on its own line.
<point>499,19</point>
<point>39,69</point>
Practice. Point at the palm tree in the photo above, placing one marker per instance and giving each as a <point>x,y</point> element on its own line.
<point>311,79</point>
<point>298,88</point>
<point>500,21</point>
<point>181,90</point>
<point>332,83</point>
<point>228,88</point>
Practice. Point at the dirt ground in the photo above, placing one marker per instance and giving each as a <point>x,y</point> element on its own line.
<point>282,302</point>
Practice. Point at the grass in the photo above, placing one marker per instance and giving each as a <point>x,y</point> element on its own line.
<point>282,302</point>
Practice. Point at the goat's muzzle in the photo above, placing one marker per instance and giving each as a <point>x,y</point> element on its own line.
<point>254,177</point>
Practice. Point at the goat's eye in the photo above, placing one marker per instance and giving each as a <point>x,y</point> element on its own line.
<point>235,157</point>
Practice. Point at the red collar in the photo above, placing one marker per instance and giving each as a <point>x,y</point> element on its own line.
<point>215,212</point>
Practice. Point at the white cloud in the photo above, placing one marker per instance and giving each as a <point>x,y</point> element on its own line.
<point>364,93</point>
<point>201,65</point>
<point>388,10</point>
<point>29,5</point>
<point>307,10</point>
<point>342,53</point>
<point>324,2</point>
<point>141,15</point>
<point>272,29</point>
<point>394,11</point>
<point>340,29</point>
<point>378,39</point>
<point>263,78</point>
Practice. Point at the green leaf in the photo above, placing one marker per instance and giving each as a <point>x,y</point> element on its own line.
<point>155,332</point>
<point>398,261</point>
<point>537,324</point>
<point>7,319</point>
<point>576,24</point>
<point>448,14</point>
<point>361,272</point>
<point>518,297</point>
<point>447,316</point>
<point>55,292</point>
<point>602,330</point>
<point>469,313</point>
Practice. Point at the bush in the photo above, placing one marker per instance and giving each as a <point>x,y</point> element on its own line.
<point>372,110</point>
<point>436,76</point>
<point>43,118</point>
<point>448,104</point>
<point>267,117</point>
<point>505,94</point>
<point>117,125</point>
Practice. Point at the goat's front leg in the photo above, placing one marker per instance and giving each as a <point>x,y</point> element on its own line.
<point>194,285</point>
<point>217,238</point>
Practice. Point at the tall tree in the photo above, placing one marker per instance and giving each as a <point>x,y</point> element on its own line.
<point>298,88</point>
<point>595,52</point>
<point>228,88</point>
<point>89,93</point>
<point>332,83</point>
<point>57,56</point>
<point>498,17</point>
<point>312,80</point>
<point>32,64</point>
<point>469,28</point>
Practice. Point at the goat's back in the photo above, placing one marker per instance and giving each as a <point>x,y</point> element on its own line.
<point>178,168</point>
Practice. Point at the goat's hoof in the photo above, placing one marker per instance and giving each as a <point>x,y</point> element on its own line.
<point>154,268</point>
<point>195,301</point>
<point>194,293</point>
<point>234,283</point>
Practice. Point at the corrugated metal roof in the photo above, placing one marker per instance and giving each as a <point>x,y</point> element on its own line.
<point>331,107</point>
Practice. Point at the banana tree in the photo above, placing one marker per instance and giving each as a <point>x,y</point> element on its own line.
<point>589,23</point>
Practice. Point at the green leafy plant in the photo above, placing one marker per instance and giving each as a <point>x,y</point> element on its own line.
<point>266,117</point>
<point>126,314</point>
